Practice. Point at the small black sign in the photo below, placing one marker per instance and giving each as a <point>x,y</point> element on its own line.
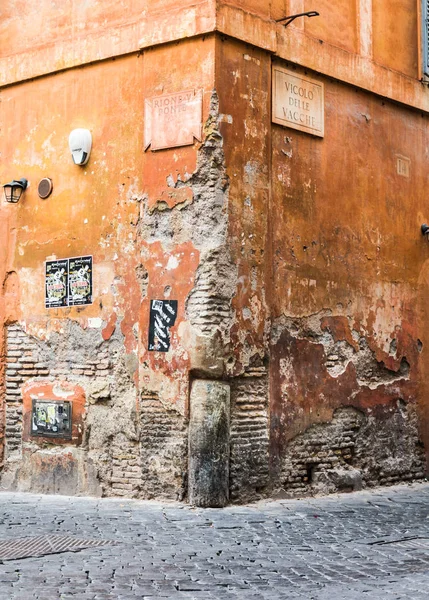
<point>80,280</point>
<point>56,279</point>
<point>51,418</point>
<point>163,314</point>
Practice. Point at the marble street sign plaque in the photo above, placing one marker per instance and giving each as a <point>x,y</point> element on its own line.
<point>173,120</point>
<point>298,102</point>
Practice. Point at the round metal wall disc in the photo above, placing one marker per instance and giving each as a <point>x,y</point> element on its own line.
<point>45,187</point>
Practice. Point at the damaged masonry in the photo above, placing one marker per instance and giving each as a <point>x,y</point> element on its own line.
<point>222,296</point>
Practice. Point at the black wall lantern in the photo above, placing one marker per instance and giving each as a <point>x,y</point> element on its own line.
<point>14,189</point>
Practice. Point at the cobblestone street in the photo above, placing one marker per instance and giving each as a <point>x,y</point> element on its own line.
<point>368,544</point>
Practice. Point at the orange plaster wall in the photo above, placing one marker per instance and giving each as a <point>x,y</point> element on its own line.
<point>99,209</point>
<point>60,392</point>
<point>91,208</point>
<point>337,23</point>
<point>261,9</point>
<point>243,81</point>
<point>395,27</point>
<point>325,232</point>
<point>342,202</point>
<point>346,239</point>
<point>30,24</point>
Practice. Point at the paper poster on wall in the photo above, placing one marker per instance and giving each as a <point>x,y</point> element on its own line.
<point>56,280</point>
<point>68,282</point>
<point>51,418</point>
<point>80,280</point>
<point>163,314</point>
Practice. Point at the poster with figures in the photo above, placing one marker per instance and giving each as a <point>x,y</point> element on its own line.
<point>80,280</point>
<point>51,418</point>
<point>68,282</point>
<point>56,280</point>
<point>163,314</point>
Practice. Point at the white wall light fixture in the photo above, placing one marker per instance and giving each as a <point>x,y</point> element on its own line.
<point>80,143</point>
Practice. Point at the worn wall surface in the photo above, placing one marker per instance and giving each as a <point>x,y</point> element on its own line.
<point>331,267</point>
<point>152,222</point>
<point>297,263</point>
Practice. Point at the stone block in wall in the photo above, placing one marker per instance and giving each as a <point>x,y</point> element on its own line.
<point>208,446</point>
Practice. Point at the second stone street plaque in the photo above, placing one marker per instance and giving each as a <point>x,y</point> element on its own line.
<point>173,120</point>
<point>298,102</point>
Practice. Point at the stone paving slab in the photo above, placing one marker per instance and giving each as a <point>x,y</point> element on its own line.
<point>370,544</point>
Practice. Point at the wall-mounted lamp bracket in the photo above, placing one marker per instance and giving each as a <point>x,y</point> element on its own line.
<point>14,189</point>
<point>288,20</point>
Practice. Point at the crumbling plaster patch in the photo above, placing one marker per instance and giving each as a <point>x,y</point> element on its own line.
<point>354,450</point>
<point>203,223</point>
<point>83,357</point>
<point>204,220</point>
<point>351,410</point>
<point>341,353</point>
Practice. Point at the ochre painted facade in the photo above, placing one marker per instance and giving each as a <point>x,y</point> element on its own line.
<point>297,262</point>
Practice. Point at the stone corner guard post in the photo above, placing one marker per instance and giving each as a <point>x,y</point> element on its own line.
<point>209,443</point>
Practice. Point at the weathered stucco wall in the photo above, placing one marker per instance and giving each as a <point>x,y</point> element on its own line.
<point>348,254</point>
<point>326,237</point>
<point>153,223</point>
<point>296,262</point>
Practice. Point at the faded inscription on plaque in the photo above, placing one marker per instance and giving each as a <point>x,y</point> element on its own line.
<point>173,120</point>
<point>403,166</point>
<point>298,102</point>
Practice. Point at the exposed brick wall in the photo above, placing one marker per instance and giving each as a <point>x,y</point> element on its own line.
<point>249,474</point>
<point>164,441</point>
<point>22,363</point>
<point>153,465</point>
<point>321,448</point>
<point>126,468</point>
<point>28,358</point>
<point>145,454</point>
<point>209,304</point>
<point>354,450</point>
